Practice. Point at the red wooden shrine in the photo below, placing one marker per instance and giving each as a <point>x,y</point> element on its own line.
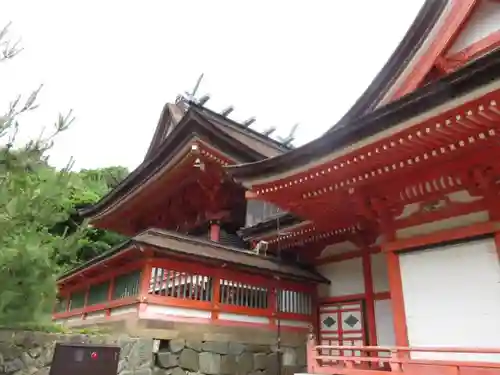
<point>185,261</point>
<point>381,236</point>
<point>398,206</point>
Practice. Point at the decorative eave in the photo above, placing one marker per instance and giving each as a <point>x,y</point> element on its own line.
<point>173,114</point>
<point>175,245</point>
<point>196,133</point>
<point>471,77</point>
<point>416,35</point>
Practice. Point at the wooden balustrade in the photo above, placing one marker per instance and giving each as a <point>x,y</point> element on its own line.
<point>372,360</point>
<point>187,285</point>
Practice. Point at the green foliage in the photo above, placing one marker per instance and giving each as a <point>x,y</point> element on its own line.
<point>87,187</point>
<point>39,236</point>
<point>33,199</point>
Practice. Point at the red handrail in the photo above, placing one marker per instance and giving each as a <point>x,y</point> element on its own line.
<point>397,361</point>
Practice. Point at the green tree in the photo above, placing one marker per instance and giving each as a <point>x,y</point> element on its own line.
<point>33,199</point>
<point>86,188</point>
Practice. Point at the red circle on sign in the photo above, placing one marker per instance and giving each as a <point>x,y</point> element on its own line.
<point>93,355</point>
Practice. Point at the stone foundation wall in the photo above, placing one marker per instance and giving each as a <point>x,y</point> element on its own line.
<point>181,357</point>
<point>30,353</point>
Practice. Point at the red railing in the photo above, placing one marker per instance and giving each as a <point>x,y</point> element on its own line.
<point>372,360</point>
<point>187,285</point>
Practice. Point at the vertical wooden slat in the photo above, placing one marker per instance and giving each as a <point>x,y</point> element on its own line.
<point>184,285</point>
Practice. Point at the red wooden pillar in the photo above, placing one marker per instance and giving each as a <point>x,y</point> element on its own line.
<point>272,303</point>
<point>369,297</point>
<point>86,301</point>
<point>215,230</point>
<point>145,284</point>
<point>111,290</point>
<point>216,296</point>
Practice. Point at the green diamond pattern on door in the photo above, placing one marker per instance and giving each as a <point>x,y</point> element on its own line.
<point>351,320</point>
<point>341,325</point>
<point>329,322</point>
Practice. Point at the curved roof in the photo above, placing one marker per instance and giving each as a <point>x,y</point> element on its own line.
<point>176,245</point>
<point>174,131</point>
<point>364,120</point>
<point>418,32</point>
<point>478,73</point>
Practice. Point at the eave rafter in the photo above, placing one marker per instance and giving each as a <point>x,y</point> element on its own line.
<point>441,137</point>
<point>371,186</point>
<point>163,201</point>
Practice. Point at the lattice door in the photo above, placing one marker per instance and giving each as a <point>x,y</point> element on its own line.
<point>342,324</point>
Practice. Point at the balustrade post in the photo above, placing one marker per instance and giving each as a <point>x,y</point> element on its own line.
<point>111,290</point>
<point>312,362</point>
<point>395,361</point>
<point>216,281</point>
<point>145,281</point>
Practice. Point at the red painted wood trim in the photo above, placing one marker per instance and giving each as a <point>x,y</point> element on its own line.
<point>441,236</point>
<point>215,231</point>
<point>354,297</point>
<point>81,273</point>
<point>232,275</point>
<point>461,10</point>
<point>86,300</point>
<point>272,303</point>
<point>179,302</point>
<point>397,298</point>
<point>104,277</point>
<point>111,290</point>
<point>369,299</point>
<point>97,307</point>
<point>145,283</point>
<point>380,296</point>
<point>216,296</point>
<point>219,322</point>
<point>497,244</point>
<point>251,195</point>
<point>473,51</point>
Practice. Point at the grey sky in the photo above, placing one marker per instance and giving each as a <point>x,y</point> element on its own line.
<point>117,62</point>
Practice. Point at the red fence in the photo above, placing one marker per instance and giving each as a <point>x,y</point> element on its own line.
<point>372,360</point>
<point>188,285</point>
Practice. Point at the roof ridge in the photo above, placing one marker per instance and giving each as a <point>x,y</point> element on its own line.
<point>244,129</point>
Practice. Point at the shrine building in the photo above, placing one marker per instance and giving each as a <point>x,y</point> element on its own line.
<point>185,262</point>
<point>399,208</point>
<point>377,244</point>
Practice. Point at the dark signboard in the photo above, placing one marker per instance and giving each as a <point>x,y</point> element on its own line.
<point>85,359</point>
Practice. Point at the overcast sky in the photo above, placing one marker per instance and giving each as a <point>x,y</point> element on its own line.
<point>116,62</point>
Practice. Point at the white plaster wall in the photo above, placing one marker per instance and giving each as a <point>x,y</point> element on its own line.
<point>484,20</point>
<point>379,273</point>
<point>338,248</point>
<point>96,315</point>
<point>295,323</point>
<point>123,310</point>
<point>384,323</point>
<point>450,223</point>
<point>346,278</point>
<point>175,311</point>
<point>452,298</point>
<point>244,318</point>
